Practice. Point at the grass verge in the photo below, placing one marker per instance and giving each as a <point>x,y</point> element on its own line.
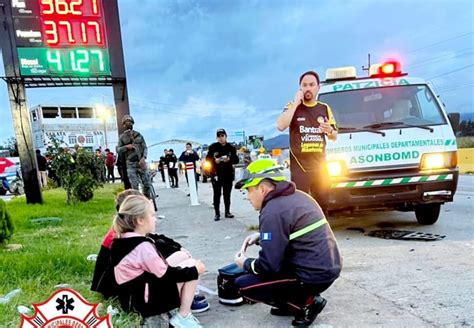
<point>55,253</point>
<point>465,142</point>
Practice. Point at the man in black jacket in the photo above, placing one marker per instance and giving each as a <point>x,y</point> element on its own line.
<point>189,156</point>
<point>299,257</point>
<point>222,157</point>
<point>172,163</point>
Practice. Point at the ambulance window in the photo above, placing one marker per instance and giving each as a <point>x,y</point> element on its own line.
<point>410,104</point>
<point>429,110</point>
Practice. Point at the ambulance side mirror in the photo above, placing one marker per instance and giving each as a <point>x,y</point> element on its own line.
<point>454,119</point>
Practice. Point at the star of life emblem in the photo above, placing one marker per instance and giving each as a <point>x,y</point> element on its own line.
<point>65,308</point>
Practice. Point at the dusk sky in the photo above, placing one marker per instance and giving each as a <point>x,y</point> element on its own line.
<point>194,66</point>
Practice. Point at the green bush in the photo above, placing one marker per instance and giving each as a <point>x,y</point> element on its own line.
<point>6,226</point>
<point>79,173</point>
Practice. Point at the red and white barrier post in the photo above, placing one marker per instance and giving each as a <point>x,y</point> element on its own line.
<point>192,184</point>
<point>167,177</point>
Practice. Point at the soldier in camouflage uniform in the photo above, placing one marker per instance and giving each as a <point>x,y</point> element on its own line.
<point>133,147</point>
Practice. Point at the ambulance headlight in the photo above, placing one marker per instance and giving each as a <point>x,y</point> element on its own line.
<point>436,161</point>
<point>336,168</point>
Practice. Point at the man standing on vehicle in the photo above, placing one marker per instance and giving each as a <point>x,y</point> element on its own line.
<point>132,144</point>
<point>222,156</point>
<point>310,123</point>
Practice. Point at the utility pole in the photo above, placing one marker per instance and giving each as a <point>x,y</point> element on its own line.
<point>368,67</point>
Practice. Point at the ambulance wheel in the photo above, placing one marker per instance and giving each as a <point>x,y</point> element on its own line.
<point>427,214</point>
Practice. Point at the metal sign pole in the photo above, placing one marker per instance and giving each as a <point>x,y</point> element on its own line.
<point>22,126</point>
<point>20,114</point>
<point>117,62</point>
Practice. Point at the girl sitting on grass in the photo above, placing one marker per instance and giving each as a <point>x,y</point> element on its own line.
<point>147,283</point>
<point>103,280</point>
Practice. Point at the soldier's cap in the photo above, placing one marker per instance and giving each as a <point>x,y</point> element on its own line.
<point>221,131</point>
<point>126,118</point>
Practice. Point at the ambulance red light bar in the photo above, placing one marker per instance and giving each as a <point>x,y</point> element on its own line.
<point>387,69</point>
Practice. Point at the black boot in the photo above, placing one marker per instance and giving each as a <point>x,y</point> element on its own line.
<point>283,310</point>
<point>306,316</point>
<point>217,217</point>
<point>229,215</point>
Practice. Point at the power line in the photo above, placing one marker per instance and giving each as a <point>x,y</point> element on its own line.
<point>439,59</point>
<point>456,88</point>
<point>440,42</point>
<point>456,70</point>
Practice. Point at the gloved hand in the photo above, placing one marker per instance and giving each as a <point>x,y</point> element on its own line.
<point>240,259</point>
<point>250,240</point>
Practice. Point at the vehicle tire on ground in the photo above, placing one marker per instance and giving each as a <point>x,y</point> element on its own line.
<point>427,214</point>
<point>3,192</point>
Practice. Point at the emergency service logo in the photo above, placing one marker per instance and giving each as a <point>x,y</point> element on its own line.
<point>66,308</point>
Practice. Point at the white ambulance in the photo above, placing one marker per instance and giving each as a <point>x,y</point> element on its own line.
<point>396,148</point>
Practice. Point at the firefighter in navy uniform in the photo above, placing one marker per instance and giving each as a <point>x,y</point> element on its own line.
<point>311,122</point>
<point>299,257</point>
<point>222,157</point>
<point>132,146</point>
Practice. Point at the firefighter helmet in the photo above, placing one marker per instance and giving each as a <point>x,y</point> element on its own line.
<point>257,171</point>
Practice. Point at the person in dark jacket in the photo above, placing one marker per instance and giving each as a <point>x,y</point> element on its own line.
<point>299,258</point>
<point>147,283</point>
<point>42,167</point>
<point>161,165</point>
<point>109,164</point>
<point>189,156</point>
<point>172,162</point>
<point>222,157</point>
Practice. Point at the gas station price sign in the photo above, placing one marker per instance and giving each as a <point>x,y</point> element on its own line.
<point>62,38</point>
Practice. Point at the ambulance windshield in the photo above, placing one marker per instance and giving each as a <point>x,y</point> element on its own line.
<point>409,104</point>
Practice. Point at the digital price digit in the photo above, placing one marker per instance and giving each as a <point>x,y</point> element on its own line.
<point>76,63</point>
<point>100,59</point>
<point>54,58</point>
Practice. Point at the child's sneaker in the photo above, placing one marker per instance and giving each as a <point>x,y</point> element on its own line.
<point>189,321</point>
<point>199,298</point>
<point>199,306</point>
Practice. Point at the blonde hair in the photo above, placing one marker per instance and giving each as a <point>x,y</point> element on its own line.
<point>132,208</point>
<point>124,194</point>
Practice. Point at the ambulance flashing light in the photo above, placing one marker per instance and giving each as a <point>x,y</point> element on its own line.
<point>380,70</point>
<point>387,69</point>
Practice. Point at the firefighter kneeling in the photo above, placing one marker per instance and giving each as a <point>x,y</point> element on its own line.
<point>299,257</point>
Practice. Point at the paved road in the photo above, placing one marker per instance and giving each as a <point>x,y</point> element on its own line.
<point>389,283</point>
